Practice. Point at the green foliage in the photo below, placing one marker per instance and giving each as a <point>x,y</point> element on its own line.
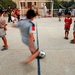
<point>67,4</point>
<point>5,3</point>
<point>64,3</point>
<point>48,5</point>
<point>56,4</point>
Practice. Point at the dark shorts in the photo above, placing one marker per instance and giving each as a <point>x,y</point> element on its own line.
<point>67,29</point>
<point>59,14</point>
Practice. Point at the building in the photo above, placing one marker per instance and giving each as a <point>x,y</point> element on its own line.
<point>64,0</point>
<point>24,5</point>
<point>28,3</point>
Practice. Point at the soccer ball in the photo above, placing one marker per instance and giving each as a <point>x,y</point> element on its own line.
<point>42,54</point>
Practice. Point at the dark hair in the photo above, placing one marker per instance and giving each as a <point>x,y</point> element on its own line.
<point>68,13</point>
<point>1,11</point>
<point>30,13</point>
<point>8,5</point>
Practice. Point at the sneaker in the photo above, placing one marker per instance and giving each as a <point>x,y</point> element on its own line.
<point>64,37</point>
<point>72,42</point>
<point>3,46</point>
<point>67,38</point>
<point>3,49</point>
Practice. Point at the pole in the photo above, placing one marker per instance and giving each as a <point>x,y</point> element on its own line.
<point>38,59</point>
<point>38,62</point>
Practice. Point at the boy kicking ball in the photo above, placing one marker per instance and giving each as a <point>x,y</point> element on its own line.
<point>25,27</point>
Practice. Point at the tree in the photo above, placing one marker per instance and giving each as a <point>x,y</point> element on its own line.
<point>67,4</point>
<point>5,3</point>
<point>56,4</point>
<point>64,3</point>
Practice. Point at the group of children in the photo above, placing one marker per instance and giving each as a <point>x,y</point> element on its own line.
<point>27,33</point>
<point>26,27</point>
<point>68,22</point>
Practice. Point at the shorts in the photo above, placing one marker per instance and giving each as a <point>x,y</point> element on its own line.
<point>31,45</point>
<point>59,14</point>
<point>67,29</point>
<point>2,32</point>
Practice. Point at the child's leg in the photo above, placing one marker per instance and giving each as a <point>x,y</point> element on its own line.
<point>32,48</point>
<point>59,18</point>
<point>67,33</point>
<point>5,42</point>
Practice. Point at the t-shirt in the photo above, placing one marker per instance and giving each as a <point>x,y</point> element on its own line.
<point>25,28</point>
<point>68,22</point>
<point>60,11</point>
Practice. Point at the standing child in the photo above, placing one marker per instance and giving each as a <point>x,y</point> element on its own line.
<point>73,41</point>
<point>59,13</point>
<point>3,31</point>
<point>26,26</point>
<point>68,22</point>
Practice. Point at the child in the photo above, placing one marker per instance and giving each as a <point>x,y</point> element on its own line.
<point>3,31</point>
<point>73,41</point>
<point>13,16</point>
<point>27,33</point>
<point>59,13</point>
<point>68,22</point>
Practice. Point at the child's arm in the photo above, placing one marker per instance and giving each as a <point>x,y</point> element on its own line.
<point>13,26</point>
<point>16,25</point>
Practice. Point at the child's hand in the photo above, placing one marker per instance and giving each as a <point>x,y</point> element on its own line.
<point>13,26</point>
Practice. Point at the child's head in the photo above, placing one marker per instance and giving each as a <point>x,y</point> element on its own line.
<point>68,14</point>
<point>31,14</point>
<point>1,12</point>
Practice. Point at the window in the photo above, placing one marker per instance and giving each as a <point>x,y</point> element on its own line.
<point>29,4</point>
<point>22,5</point>
<point>34,3</point>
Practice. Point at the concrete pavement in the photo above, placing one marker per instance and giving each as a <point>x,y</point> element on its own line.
<point>60,54</point>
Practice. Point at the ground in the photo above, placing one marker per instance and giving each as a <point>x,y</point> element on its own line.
<point>60,54</point>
